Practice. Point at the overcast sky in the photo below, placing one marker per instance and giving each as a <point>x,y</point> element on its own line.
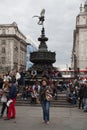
<point>59,22</point>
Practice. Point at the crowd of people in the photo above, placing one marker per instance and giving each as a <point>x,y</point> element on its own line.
<point>9,88</point>
<point>77,93</point>
<point>53,74</point>
<point>13,84</point>
<point>8,93</point>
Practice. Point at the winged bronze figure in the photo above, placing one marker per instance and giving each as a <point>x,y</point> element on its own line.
<point>41,17</point>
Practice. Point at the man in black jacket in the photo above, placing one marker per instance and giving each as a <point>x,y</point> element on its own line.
<point>80,96</point>
<point>85,97</point>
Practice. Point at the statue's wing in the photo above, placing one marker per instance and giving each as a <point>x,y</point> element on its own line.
<point>36,16</point>
<point>42,12</point>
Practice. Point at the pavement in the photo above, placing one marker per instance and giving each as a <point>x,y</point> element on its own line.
<point>30,118</point>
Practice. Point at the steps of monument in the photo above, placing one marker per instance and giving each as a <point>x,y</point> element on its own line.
<point>61,101</point>
<point>52,102</point>
<point>52,105</point>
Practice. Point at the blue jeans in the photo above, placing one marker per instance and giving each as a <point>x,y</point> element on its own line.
<point>85,103</point>
<point>46,110</point>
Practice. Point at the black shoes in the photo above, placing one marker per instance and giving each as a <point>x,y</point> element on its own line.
<point>6,118</point>
<point>9,118</point>
<point>12,117</point>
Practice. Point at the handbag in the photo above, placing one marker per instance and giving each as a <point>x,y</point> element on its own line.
<point>3,98</point>
<point>48,97</point>
<point>9,102</point>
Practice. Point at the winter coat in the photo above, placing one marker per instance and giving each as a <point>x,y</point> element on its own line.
<point>43,92</point>
<point>85,92</point>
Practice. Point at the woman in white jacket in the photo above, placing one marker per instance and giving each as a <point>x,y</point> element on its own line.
<point>4,98</point>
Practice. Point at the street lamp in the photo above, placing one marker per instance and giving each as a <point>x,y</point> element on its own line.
<point>75,64</point>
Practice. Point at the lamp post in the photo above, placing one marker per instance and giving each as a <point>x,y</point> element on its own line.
<point>75,65</point>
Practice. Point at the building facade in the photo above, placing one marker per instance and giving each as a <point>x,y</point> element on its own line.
<point>13,47</point>
<point>30,48</point>
<point>79,52</point>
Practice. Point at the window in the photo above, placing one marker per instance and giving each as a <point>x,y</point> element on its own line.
<point>16,48</point>
<point>3,42</point>
<point>3,60</point>
<point>3,31</point>
<point>3,49</point>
